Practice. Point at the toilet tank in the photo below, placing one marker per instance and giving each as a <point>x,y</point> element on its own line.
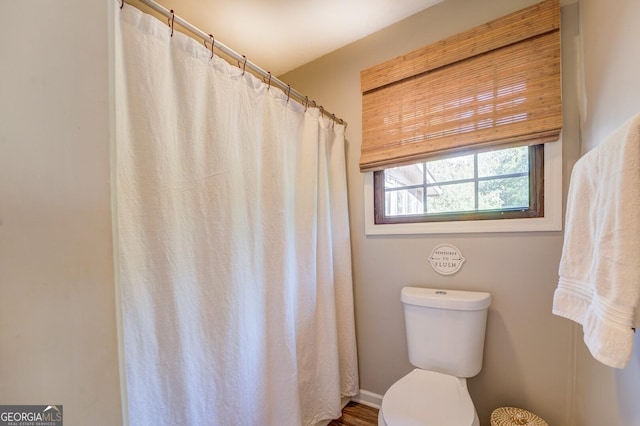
<point>445,329</point>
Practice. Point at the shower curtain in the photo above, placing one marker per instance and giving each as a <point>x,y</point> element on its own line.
<point>232,241</point>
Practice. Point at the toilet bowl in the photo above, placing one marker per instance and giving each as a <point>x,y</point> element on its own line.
<point>427,398</point>
<point>445,337</point>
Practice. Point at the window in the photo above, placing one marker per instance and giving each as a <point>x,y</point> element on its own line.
<point>497,184</point>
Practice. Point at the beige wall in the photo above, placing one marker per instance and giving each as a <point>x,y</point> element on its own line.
<point>57,309</point>
<point>610,33</point>
<point>529,352</point>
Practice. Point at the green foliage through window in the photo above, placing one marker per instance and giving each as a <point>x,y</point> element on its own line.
<point>504,183</point>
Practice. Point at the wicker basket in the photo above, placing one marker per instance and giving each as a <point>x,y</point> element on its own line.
<point>511,416</point>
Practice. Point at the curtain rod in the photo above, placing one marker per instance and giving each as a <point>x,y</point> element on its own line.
<point>242,60</point>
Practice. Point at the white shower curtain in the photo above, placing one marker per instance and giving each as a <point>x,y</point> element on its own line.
<point>233,244</point>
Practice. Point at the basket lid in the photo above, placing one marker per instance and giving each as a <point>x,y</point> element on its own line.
<point>511,416</point>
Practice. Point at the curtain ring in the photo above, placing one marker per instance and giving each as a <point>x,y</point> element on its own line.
<point>121,4</point>
<point>288,92</point>
<point>244,65</point>
<point>321,110</point>
<point>170,21</point>
<point>269,81</point>
<point>213,42</point>
<point>306,103</point>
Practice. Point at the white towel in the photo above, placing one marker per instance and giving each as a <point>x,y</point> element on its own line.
<point>599,285</point>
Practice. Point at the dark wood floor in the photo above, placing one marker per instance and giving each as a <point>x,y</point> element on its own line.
<point>355,414</point>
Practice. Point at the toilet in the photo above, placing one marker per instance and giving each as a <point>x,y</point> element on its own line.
<point>445,338</point>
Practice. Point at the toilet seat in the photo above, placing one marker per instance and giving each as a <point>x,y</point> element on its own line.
<point>427,398</point>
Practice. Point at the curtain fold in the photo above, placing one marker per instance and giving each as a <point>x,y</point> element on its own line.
<point>232,234</point>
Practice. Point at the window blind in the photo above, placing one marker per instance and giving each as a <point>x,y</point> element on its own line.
<point>496,84</point>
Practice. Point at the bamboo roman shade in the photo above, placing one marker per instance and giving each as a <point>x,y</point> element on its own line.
<point>496,84</point>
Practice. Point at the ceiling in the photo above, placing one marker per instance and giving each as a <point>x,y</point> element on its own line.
<point>281,35</point>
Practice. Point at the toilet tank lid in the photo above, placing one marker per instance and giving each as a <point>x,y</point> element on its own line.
<point>446,299</point>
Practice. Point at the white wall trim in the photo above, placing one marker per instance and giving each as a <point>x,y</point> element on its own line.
<point>368,398</point>
<point>552,221</point>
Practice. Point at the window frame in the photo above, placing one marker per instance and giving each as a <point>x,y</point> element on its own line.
<point>536,197</point>
<point>551,221</point>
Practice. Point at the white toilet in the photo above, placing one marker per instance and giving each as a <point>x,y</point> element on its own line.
<point>445,337</point>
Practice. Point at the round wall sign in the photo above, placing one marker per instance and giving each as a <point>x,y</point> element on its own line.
<point>446,259</point>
